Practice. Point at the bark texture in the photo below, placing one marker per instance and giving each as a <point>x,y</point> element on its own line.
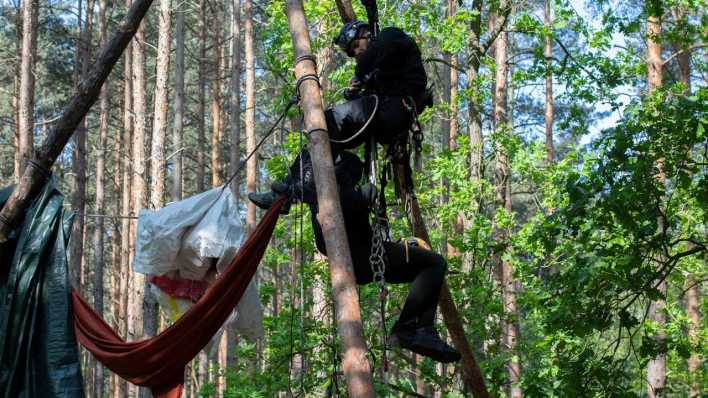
<point>28,56</point>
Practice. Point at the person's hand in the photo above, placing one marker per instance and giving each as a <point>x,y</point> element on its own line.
<point>355,82</point>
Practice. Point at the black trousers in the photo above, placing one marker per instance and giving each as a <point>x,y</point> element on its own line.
<point>423,269</point>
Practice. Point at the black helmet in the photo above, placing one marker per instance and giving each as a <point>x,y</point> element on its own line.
<point>349,32</point>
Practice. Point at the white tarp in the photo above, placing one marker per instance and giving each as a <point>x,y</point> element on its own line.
<point>180,238</point>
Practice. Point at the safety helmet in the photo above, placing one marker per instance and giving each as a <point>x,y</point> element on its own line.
<point>349,32</point>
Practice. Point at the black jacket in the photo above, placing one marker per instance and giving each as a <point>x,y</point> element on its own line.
<point>392,65</point>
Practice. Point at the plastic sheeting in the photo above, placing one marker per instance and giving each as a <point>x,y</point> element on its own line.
<point>38,351</point>
<point>182,239</point>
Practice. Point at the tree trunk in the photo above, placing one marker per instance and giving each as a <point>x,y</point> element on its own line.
<point>235,98</point>
<point>201,101</point>
<point>126,204</point>
<point>548,54</point>
<point>98,227</point>
<point>503,196</point>
<point>656,368</point>
<point>216,163</point>
<point>30,11</point>
<point>136,294</point>
<point>474,123</point>
<point>250,113</point>
<point>159,126</point>
<point>179,107</point>
<point>87,93</point>
<point>355,364</point>
<point>78,197</point>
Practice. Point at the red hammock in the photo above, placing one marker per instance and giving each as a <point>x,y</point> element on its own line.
<point>159,362</point>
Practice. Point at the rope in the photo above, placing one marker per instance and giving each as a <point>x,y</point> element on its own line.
<point>302,274</point>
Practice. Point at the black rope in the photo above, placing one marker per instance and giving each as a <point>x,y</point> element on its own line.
<point>304,78</point>
<point>240,166</point>
<point>306,57</point>
<point>6,221</point>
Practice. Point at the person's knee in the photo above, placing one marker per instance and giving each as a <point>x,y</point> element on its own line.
<point>440,263</point>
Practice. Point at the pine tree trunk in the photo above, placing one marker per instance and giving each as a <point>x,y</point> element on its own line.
<point>28,59</point>
<point>98,227</point>
<point>474,123</point>
<point>136,290</point>
<point>250,113</point>
<point>177,132</point>
<point>216,163</point>
<point>503,196</point>
<point>201,101</point>
<point>548,54</point>
<point>15,105</point>
<point>126,205</point>
<point>159,126</point>
<point>235,98</point>
<point>656,368</point>
<point>78,197</point>
<point>355,364</point>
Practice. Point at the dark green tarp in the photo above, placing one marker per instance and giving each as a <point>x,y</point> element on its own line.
<point>38,349</point>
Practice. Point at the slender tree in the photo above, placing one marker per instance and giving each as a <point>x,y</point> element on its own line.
<point>250,111</point>
<point>98,227</point>
<point>548,54</point>
<point>177,131</point>
<point>656,368</point>
<point>216,134</point>
<point>201,101</point>
<point>28,59</point>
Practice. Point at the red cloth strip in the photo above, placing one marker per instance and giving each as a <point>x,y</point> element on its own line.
<point>158,362</point>
<point>180,288</point>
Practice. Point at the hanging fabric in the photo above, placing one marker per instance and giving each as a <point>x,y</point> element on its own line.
<point>38,352</point>
<point>158,362</point>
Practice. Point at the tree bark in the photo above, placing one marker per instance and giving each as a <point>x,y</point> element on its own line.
<point>177,131</point>
<point>28,57</point>
<point>216,163</point>
<point>250,113</point>
<point>355,364</point>
<point>98,227</point>
<point>126,204</point>
<point>201,101</point>
<point>346,11</point>
<point>503,196</point>
<point>159,125</point>
<point>235,99</point>
<point>136,294</point>
<point>87,93</point>
<point>656,368</point>
<point>548,54</point>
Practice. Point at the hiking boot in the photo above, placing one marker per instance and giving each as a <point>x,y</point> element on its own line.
<point>424,341</point>
<point>266,199</point>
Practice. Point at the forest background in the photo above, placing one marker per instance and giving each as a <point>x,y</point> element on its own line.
<point>563,175</point>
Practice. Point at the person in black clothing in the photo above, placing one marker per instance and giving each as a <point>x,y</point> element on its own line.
<point>391,68</point>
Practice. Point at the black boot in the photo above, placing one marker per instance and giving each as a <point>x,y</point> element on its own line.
<point>265,200</point>
<point>424,341</point>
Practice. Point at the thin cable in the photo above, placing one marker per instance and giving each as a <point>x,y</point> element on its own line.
<point>302,274</point>
<point>361,130</point>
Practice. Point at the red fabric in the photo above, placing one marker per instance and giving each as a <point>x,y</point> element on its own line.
<point>180,288</point>
<point>159,362</point>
